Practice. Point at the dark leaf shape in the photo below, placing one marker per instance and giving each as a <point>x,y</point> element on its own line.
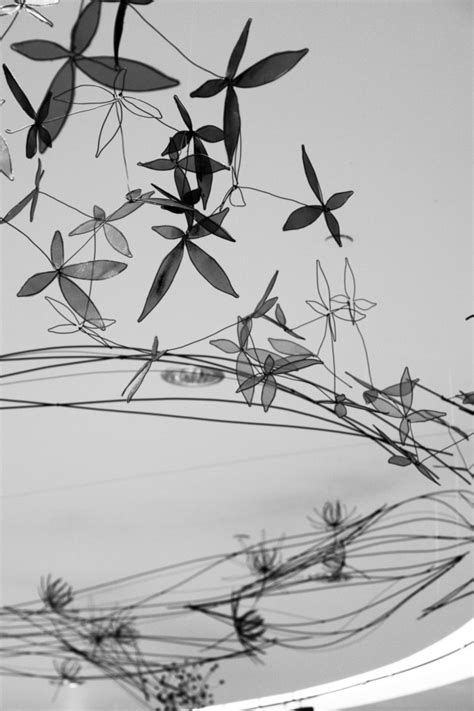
<point>280,315</point>
<point>225,345</point>
<point>244,371</point>
<point>57,250</point>
<point>159,164</point>
<point>44,139</point>
<point>117,240</point>
<point>85,27</point>
<point>59,111</point>
<point>80,302</point>
<point>211,134</point>
<point>31,137</point>
<point>209,88</point>
<point>269,69</point>
<point>268,392</point>
<point>124,210</point>
<point>311,175</point>
<point>289,347</point>
<point>138,76</point>
<point>266,306</point>
<point>43,110</point>
<point>163,279</point>
<point>296,365</point>
<point>244,328</point>
<point>18,93</point>
<point>425,415</point>
<point>468,398</point>
<point>99,269</point>
<point>383,406</point>
<point>399,460</point>
<point>338,200</point>
<point>406,390</point>
<point>238,51</point>
<point>168,231</point>
<point>37,283</point>
<point>177,143</point>
<point>250,383</point>
<point>268,290</point>
<point>183,187</point>
<point>213,226</point>
<point>203,170</point>
<point>333,226</point>
<point>403,389</point>
<point>118,29</point>
<point>40,50</point>
<point>201,163</point>
<point>231,122</point>
<point>184,114</point>
<point>16,209</point>
<point>210,269</point>
<point>199,230</point>
<point>302,217</point>
<point>404,430</point>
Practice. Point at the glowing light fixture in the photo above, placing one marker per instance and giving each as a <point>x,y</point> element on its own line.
<point>193,377</point>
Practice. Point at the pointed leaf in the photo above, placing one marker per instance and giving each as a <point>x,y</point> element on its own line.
<point>5,159</point>
<point>383,406</point>
<point>44,108</point>
<point>37,283</point>
<point>401,389</point>
<point>302,217</point>
<point>124,210</point>
<point>176,143</point>
<point>349,281</point>
<point>268,290</point>
<point>210,269</point>
<point>137,381</point>
<point>85,27</point>
<point>168,231</point>
<point>338,200</point>
<point>425,415</point>
<point>59,110</point>
<point>399,460</point>
<point>269,390</point>
<point>40,50</point>
<point>404,430</point>
<point>57,250</point>
<point>18,93</point>
<point>63,310</point>
<point>238,51</point>
<point>184,114</point>
<point>98,269</point>
<point>244,329</point>
<point>269,69</point>
<point>141,108</point>
<point>244,371</point>
<point>194,163</point>
<point>225,345</point>
<point>265,307</point>
<point>231,122</point>
<point>117,240</point>
<point>333,226</point>
<point>87,226</point>
<point>80,302</point>
<point>406,390</point>
<point>296,365</point>
<point>159,164</point>
<point>280,316</point>
<point>213,224</point>
<point>311,176</point>
<point>138,77</point>
<point>163,279</point>
<point>322,286</point>
<point>110,127</point>
<point>211,134</point>
<point>289,347</point>
<point>209,88</point>
<point>16,209</point>
<point>198,230</point>
<point>250,382</point>
<point>31,141</point>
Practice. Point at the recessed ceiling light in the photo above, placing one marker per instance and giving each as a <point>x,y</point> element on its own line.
<point>193,376</point>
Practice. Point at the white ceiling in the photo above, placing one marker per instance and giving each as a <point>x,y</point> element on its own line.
<point>382,104</point>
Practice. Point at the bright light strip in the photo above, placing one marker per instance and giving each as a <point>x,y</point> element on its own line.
<point>449,660</point>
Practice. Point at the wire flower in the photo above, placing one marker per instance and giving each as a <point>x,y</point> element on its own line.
<point>332,516</point>
<point>249,627</point>
<point>56,594</point>
<point>68,673</point>
<point>19,6</point>
<point>352,308</point>
<point>323,307</point>
<point>117,101</point>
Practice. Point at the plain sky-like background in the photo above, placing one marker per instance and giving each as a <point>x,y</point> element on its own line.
<point>382,103</point>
